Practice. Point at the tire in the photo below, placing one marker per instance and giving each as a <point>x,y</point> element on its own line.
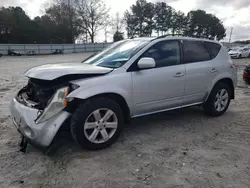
<point>248,55</point>
<point>210,106</point>
<point>240,56</point>
<point>85,116</point>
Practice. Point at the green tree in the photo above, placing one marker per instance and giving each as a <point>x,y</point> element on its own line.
<point>66,28</point>
<point>118,36</point>
<point>53,27</point>
<point>201,24</point>
<point>139,19</point>
<point>178,22</point>
<point>15,26</point>
<point>130,22</point>
<point>163,17</point>
<point>149,10</point>
<point>45,30</point>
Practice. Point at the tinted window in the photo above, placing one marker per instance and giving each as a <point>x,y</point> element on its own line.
<point>165,53</point>
<point>213,47</point>
<point>195,51</point>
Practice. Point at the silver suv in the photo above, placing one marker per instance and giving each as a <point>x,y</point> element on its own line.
<point>131,78</point>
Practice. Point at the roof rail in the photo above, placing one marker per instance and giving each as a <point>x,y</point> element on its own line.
<point>163,36</point>
<point>192,36</point>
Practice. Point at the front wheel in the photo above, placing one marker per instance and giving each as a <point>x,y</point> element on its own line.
<point>218,101</point>
<point>97,123</point>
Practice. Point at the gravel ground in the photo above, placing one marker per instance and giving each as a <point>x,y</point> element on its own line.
<point>182,148</point>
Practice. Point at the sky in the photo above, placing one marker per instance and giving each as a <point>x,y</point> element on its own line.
<point>233,13</point>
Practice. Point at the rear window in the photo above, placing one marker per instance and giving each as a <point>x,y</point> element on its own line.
<point>214,48</point>
<point>195,51</point>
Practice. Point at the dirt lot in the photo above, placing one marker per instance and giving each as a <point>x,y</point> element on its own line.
<point>175,149</point>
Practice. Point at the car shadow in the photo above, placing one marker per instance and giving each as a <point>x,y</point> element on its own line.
<point>64,145</point>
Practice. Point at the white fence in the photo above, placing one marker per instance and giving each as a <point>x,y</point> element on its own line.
<point>67,48</point>
<point>50,48</point>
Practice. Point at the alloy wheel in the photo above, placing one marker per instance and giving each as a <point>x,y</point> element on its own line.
<point>221,100</point>
<point>100,125</point>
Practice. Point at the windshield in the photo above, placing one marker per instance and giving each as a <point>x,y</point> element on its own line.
<point>117,54</point>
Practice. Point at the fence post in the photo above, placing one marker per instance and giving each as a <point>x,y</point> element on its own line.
<point>51,48</point>
<point>38,49</point>
<point>74,47</point>
<point>24,49</point>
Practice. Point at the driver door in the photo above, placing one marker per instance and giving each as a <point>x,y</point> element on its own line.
<point>162,87</point>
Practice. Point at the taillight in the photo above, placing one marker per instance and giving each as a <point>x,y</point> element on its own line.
<point>246,74</point>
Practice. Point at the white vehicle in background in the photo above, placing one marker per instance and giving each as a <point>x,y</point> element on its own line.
<point>239,52</point>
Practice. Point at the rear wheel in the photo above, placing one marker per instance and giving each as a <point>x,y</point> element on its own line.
<point>240,56</point>
<point>97,123</point>
<point>218,101</point>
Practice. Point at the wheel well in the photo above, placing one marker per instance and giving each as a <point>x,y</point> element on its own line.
<point>116,97</point>
<point>229,82</point>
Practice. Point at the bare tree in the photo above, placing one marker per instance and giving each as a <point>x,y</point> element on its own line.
<point>117,23</point>
<point>107,24</point>
<point>92,14</point>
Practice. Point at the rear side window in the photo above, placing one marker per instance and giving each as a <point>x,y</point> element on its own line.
<point>195,51</point>
<point>214,48</point>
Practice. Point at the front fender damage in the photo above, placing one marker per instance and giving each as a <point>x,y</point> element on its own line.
<point>36,95</point>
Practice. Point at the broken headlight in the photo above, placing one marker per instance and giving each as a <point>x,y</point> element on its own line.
<point>57,103</point>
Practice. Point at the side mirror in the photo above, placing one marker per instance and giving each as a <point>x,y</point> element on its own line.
<point>146,62</point>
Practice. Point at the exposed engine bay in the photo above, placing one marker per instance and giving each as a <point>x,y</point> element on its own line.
<point>38,93</point>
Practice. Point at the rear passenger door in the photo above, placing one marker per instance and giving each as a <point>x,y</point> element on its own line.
<point>200,70</point>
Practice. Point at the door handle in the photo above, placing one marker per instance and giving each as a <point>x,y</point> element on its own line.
<point>178,74</point>
<point>213,70</point>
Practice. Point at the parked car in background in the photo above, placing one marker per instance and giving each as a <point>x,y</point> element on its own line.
<point>31,52</point>
<point>246,74</point>
<point>129,79</point>
<point>13,53</point>
<point>239,52</point>
<point>58,51</point>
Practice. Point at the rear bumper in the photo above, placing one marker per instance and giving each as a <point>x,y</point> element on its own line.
<point>40,134</point>
<point>246,76</point>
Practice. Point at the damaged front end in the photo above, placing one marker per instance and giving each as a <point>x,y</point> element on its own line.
<point>38,110</point>
<point>48,97</point>
<point>37,93</point>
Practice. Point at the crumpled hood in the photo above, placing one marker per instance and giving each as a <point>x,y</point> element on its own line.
<point>53,71</point>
